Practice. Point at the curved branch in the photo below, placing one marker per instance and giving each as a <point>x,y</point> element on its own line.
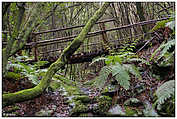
<point>27,94</point>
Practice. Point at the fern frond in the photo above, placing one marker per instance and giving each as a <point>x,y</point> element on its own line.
<point>167,46</point>
<point>32,78</point>
<point>21,58</point>
<point>27,68</point>
<point>97,60</point>
<point>121,75</point>
<point>133,70</point>
<point>168,61</point>
<point>103,75</point>
<point>165,91</point>
<point>15,66</point>
<point>123,79</point>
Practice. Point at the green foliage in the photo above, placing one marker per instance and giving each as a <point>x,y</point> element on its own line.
<point>97,60</point>
<point>164,92</point>
<point>131,68</point>
<point>161,24</point>
<point>130,112</point>
<point>104,103</point>
<point>121,75</point>
<point>12,75</point>
<point>102,78</point>
<point>15,67</point>
<point>30,72</point>
<point>26,70</point>
<point>114,69</point>
<point>40,63</point>
<point>164,47</point>
<point>164,54</point>
<point>113,59</point>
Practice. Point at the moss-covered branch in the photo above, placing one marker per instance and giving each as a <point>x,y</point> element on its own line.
<point>18,40</point>
<point>27,94</point>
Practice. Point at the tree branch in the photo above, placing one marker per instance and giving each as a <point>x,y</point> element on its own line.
<point>27,94</point>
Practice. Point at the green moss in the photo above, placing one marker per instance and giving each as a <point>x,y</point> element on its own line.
<point>12,75</point>
<point>67,84</point>
<point>72,90</point>
<point>79,108</point>
<point>130,112</point>
<point>83,99</point>
<point>104,103</point>
<point>64,80</point>
<point>54,85</point>
<point>41,63</point>
<point>23,95</point>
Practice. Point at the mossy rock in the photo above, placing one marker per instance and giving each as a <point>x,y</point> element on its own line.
<point>130,112</point>
<point>83,99</point>
<point>72,90</point>
<point>104,103</point>
<point>60,81</point>
<point>12,75</point>
<point>116,111</point>
<point>133,102</point>
<point>79,108</point>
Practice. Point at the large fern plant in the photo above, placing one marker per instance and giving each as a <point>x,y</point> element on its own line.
<point>164,93</point>
<point>115,69</point>
<point>164,55</point>
<point>30,71</point>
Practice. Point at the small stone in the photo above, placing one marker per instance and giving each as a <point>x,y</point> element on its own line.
<point>116,111</point>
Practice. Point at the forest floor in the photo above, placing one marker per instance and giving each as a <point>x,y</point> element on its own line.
<point>48,104</point>
<point>55,104</point>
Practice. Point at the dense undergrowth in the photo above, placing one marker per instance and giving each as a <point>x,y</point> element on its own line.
<point>130,84</point>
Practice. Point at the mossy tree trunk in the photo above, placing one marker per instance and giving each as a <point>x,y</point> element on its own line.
<point>19,34</point>
<point>27,94</point>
